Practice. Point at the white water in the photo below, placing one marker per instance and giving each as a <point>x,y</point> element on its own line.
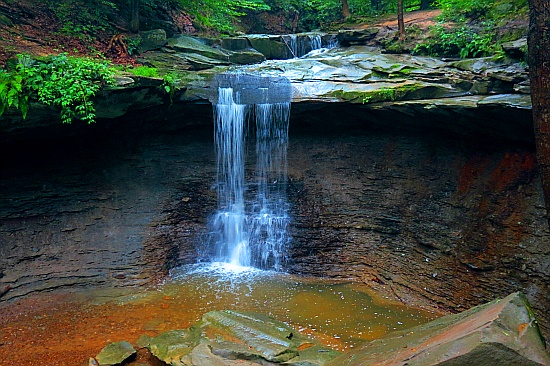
<point>251,229</point>
<point>304,45</point>
<point>230,220</point>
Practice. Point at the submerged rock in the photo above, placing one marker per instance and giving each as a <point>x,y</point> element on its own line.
<point>115,353</point>
<point>249,336</point>
<point>502,332</point>
<point>238,338</point>
<point>173,347</point>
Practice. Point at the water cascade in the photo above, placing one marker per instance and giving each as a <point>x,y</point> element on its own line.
<point>301,44</point>
<point>249,227</point>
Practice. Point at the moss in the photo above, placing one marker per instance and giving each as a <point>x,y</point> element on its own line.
<point>349,96</point>
<point>387,94</point>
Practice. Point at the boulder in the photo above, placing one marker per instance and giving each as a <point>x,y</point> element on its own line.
<point>152,40</point>
<point>502,332</point>
<point>115,353</point>
<point>250,336</point>
<point>272,47</point>
<point>173,347</point>
<point>201,62</point>
<point>235,43</point>
<point>246,57</point>
<point>186,44</point>
<point>166,61</point>
<point>516,49</point>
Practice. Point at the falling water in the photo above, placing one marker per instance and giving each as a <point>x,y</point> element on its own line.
<point>230,220</point>
<point>250,225</point>
<point>303,44</point>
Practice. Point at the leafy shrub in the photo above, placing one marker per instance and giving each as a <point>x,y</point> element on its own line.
<point>460,9</point>
<point>464,42</point>
<point>62,81</point>
<point>221,14</point>
<point>80,18</point>
<point>170,84</point>
<point>11,93</point>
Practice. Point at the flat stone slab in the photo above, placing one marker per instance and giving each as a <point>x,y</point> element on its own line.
<point>115,353</point>
<point>502,332</point>
<point>238,338</point>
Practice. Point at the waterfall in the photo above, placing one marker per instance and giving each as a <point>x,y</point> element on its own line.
<point>229,141</point>
<point>304,44</point>
<point>250,225</point>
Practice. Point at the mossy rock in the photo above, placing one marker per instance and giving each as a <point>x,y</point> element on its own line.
<point>115,353</point>
<point>173,346</point>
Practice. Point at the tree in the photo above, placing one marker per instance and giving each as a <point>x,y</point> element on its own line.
<point>376,4</point>
<point>134,22</point>
<point>400,20</point>
<point>539,70</point>
<point>345,9</point>
<point>425,4</point>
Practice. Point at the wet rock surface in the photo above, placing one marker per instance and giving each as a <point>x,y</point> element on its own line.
<point>445,94</point>
<point>421,215</point>
<point>82,214</point>
<point>228,337</point>
<point>503,331</point>
<point>412,216</point>
<point>115,354</point>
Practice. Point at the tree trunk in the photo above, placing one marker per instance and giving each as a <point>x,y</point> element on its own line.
<point>424,4</point>
<point>539,71</point>
<point>400,21</point>
<point>345,9</point>
<point>134,22</point>
<point>375,4</point>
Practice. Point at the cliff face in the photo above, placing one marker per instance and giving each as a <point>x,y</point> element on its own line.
<point>420,216</point>
<point>424,215</point>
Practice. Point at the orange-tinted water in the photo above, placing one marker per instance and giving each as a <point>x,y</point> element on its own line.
<point>69,329</point>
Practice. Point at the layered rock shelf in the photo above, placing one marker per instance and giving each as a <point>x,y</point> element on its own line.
<point>408,87</point>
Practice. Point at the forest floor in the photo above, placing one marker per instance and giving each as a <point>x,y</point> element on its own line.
<point>422,18</point>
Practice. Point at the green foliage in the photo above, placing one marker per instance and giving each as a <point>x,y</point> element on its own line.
<point>11,93</point>
<point>220,14</point>
<point>146,71</point>
<point>132,43</point>
<point>170,85</point>
<point>82,18</point>
<point>494,10</point>
<point>463,42</point>
<point>62,81</point>
<point>460,9</point>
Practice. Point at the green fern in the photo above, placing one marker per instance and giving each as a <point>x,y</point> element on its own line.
<point>66,82</point>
